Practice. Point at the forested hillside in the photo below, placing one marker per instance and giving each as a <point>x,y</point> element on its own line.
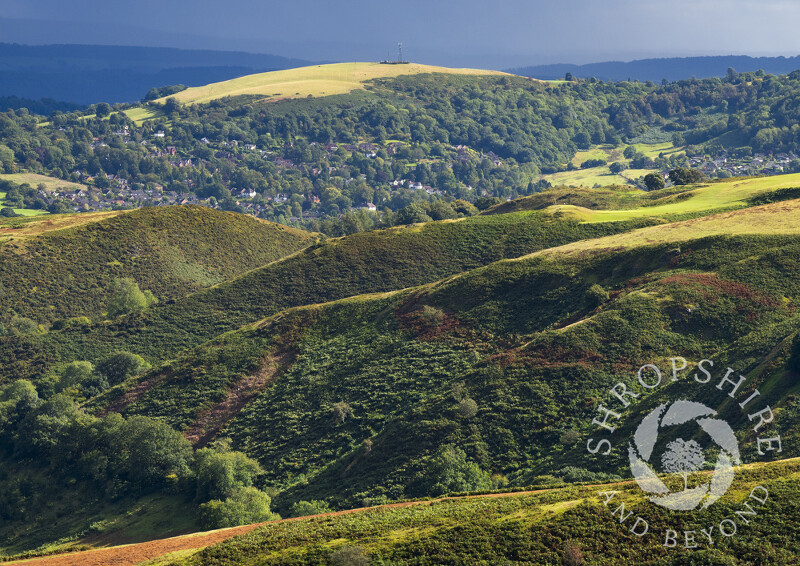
<point>381,154</point>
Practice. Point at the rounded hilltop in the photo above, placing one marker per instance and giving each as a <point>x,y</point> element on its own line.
<point>315,80</point>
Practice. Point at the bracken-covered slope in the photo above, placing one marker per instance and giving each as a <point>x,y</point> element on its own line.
<point>381,260</point>
<point>535,342</point>
<point>547,526</point>
<point>172,251</point>
<point>387,260</point>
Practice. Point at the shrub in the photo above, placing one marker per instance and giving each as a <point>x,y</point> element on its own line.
<point>247,505</point>
<point>120,366</point>
<point>431,315</point>
<point>467,408</point>
<point>306,508</point>
<point>126,297</point>
<point>573,555</point>
<point>569,438</point>
<point>349,556</point>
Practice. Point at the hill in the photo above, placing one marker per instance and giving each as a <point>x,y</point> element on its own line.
<point>57,271</point>
<point>536,526</point>
<point>86,74</point>
<point>317,80</point>
<point>493,367</point>
<point>382,260</point>
<point>530,339</point>
<point>671,68</point>
<point>529,528</point>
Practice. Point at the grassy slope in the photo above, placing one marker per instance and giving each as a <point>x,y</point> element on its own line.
<point>373,261</point>
<point>530,528</point>
<point>317,80</point>
<point>33,179</point>
<point>171,251</point>
<point>526,337</point>
<point>609,205</point>
<point>22,228</point>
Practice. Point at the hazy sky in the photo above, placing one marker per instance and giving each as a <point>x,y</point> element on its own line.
<point>498,34</point>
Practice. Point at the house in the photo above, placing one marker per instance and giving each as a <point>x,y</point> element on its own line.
<point>159,134</point>
<point>371,207</point>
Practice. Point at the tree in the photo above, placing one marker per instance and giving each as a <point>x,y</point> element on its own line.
<point>21,325</point>
<point>120,366</point>
<point>617,167</point>
<point>341,411</point>
<point>412,214</point>
<point>654,182</point>
<point>171,105</point>
<point>150,451</point>
<point>682,457</point>
<point>450,471</point>
<point>221,474</point>
<point>74,375</point>
<point>629,152</point>
<point>467,408</point>
<point>126,297</point>
<point>7,212</point>
<point>247,505</point>
<point>597,295</point>
<point>102,110</point>
<point>683,176</point>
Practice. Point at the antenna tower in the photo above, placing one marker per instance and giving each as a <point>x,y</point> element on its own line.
<point>399,52</point>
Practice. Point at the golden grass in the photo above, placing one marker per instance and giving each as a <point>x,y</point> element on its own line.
<point>780,218</point>
<point>21,229</point>
<point>316,80</point>
<point>33,179</point>
<point>715,196</point>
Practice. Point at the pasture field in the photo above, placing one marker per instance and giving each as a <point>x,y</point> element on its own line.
<point>780,218</point>
<point>602,176</point>
<point>22,228</point>
<point>719,196</point>
<point>317,80</point>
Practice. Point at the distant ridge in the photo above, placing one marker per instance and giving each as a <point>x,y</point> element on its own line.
<point>86,74</point>
<point>672,69</point>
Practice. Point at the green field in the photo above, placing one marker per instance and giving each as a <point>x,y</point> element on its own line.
<point>602,176</point>
<point>34,180</point>
<point>317,80</point>
<point>718,196</point>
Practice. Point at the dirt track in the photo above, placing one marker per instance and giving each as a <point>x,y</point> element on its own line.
<point>135,553</point>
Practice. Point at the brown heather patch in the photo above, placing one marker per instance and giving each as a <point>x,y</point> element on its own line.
<point>711,286</point>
